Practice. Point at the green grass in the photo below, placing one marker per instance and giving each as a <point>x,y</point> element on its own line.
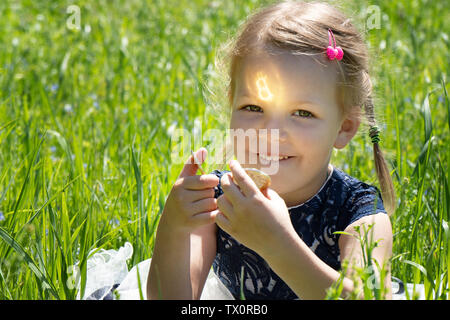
<point>85,116</point>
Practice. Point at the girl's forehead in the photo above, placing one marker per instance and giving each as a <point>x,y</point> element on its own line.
<point>284,75</point>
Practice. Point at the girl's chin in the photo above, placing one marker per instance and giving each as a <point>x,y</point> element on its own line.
<point>281,182</point>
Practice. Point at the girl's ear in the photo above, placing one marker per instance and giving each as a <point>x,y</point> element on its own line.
<point>349,127</point>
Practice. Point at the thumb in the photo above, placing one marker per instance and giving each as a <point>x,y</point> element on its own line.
<point>191,165</point>
<point>271,194</point>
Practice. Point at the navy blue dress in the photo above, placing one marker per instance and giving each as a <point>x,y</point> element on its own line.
<point>341,200</point>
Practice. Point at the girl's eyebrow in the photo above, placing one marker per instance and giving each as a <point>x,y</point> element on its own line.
<point>291,103</point>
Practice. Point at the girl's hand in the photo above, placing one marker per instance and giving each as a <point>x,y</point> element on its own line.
<point>191,201</point>
<point>258,219</point>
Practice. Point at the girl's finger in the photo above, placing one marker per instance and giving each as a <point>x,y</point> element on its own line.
<point>272,194</point>
<point>225,206</point>
<point>203,218</point>
<point>231,190</point>
<point>190,167</point>
<point>222,221</point>
<point>246,183</point>
<point>204,205</point>
<point>205,181</point>
<point>201,194</point>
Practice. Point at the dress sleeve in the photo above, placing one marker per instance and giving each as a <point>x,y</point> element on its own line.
<point>363,201</point>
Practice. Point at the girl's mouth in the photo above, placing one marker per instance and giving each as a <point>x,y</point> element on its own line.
<point>267,158</point>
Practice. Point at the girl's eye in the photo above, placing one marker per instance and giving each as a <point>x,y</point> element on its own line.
<point>252,108</point>
<point>303,113</point>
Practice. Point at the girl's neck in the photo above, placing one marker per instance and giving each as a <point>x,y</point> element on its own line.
<point>299,197</point>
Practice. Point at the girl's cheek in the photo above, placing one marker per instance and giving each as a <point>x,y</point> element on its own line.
<point>312,139</point>
<point>315,132</point>
<point>244,122</point>
<point>304,135</point>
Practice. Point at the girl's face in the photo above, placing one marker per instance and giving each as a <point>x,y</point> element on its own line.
<point>297,96</point>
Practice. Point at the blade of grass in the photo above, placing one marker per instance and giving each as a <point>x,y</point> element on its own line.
<point>140,232</point>
<point>447,102</point>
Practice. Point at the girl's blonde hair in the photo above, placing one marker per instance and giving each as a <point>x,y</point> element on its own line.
<point>301,28</point>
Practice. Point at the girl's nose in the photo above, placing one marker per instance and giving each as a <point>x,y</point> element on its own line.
<point>278,124</point>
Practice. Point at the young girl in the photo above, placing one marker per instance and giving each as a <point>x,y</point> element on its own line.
<point>280,243</point>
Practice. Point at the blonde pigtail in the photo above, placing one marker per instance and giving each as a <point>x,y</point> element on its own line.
<point>383,174</point>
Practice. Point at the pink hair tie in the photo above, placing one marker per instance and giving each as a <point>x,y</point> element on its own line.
<point>333,52</point>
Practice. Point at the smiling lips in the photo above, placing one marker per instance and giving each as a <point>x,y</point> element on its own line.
<point>273,158</point>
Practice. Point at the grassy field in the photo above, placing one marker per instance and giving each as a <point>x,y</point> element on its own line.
<point>86,116</point>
